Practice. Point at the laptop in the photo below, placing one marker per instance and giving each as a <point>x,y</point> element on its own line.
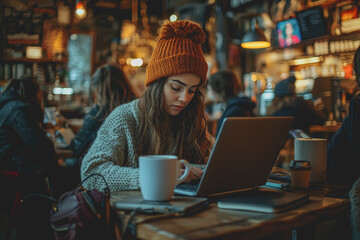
<point>242,157</point>
<point>264,200</point>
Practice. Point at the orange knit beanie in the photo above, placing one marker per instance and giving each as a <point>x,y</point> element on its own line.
<point>178,50</point>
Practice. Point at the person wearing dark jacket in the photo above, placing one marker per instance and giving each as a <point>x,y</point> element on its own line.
<point>286,103</point>
<point>110,88</point>
<point>26,159</point>
<point>343,153</point>
<point>226,88</point>
<point>24,145</point>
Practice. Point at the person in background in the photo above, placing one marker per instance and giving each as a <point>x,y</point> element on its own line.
<point>26,159</point>
<point>286,103</point>
<point>24,145</point>
<point>169,118</point>
<point>110,88</point>
<point>343,153</point>
<point>224,87</point>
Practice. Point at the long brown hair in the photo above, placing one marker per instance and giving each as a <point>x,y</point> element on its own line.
<point>158,129</point>
<point>112,88</point>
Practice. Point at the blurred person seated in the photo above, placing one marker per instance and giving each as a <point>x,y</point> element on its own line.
<point>287,103</point>
<point>24,145</point>
<point>343,154</point>
<point>27,157</point>
<point>223,87</point>
<point>109,88</point>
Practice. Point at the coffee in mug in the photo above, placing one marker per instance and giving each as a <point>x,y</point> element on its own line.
<point>159,174</point>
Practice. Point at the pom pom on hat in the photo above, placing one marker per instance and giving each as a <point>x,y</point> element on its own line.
<point>183,29</point>
<point>178,50</point>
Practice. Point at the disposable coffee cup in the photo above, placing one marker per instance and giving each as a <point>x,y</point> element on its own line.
<point>300,173</point>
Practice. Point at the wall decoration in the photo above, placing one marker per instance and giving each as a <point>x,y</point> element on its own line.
<point>54,39</point>
<point>23,31</point>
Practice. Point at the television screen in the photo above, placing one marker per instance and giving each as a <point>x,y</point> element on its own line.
<point>288,32</point>
<point>311,22</point>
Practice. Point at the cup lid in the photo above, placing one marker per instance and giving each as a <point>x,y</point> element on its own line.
<point>300,164</point>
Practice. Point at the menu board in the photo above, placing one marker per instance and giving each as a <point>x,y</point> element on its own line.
<point>311,23</point>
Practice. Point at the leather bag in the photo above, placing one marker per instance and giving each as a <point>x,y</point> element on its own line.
<point>83,214</point>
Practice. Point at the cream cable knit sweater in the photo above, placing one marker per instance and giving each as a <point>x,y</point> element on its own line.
<point>112,153</point>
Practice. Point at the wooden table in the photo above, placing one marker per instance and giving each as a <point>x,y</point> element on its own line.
<point>324,129</point>
<point>63,153</point>
<point>216,223</point>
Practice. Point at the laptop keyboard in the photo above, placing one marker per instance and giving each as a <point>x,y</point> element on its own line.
<point>189,186</point>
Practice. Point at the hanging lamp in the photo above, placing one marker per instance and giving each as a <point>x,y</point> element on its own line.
<point>255,38</point>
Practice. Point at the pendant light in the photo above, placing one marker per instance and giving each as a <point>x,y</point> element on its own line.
<point>255,38</point>
<point>80,10</point>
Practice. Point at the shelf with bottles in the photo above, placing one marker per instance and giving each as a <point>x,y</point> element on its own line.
<point>43,71</point>
<point>35,60</point>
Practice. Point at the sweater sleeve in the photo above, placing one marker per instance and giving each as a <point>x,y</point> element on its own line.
<point>112,155</point>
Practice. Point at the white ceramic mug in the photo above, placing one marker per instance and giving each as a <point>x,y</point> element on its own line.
<point>314,151</point>
<point>159,175</point>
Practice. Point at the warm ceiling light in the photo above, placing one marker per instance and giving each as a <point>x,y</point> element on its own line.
<point>255,39</point>
<point>80,11</point>
<point>306,60</point>
<point>134,62</point>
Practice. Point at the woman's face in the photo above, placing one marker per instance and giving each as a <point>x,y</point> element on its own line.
<point>179,91</point>
<point>289,29</point>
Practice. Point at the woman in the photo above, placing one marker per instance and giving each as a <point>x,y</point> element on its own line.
<point>168,119</point>
<point>291,38</point>
<point>343,153</point>
<point>226,88</point>
<point>110,88</point>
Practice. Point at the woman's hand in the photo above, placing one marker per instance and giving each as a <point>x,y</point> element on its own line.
<point>195,173</point>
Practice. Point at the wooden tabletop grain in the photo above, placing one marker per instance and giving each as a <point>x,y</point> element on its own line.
<point>326,201</point>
